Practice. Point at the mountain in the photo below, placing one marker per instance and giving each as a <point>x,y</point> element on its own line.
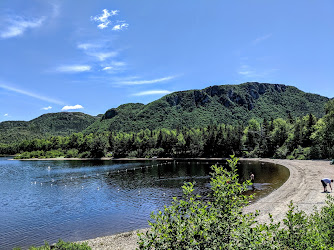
<point>229,104</point>
<point>63,123</point>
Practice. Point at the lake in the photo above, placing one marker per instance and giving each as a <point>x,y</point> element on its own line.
<point>78,200</point>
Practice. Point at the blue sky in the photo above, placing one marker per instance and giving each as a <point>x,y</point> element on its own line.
<point>92,55</point>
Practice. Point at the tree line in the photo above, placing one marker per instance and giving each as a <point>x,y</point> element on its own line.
<point>294,138</point>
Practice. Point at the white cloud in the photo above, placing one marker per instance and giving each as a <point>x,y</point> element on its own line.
<point>65,108</point>
<point>153,92</point>
<point>104,18</point>
<point>47,108</point>
<point>5,114</point>
<point>73,68</point>
<point>140,82</point>
<point>114,66</point>
<point>27,93</point>
<point>104,21</point>
<point>103,55</point>
<point>120,26</point>
<point>249,72</point>
<point>261,39</point>
<point>88,46</point>
<point>18,25</point>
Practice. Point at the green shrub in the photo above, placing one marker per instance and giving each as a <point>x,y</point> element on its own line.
<point>72,153</point>
<point>281,152</point>
<point>85,154</point>
<point>194,223</point>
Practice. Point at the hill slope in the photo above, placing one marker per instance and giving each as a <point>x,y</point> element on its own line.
<point>229,104</point>
<point>63,123</point>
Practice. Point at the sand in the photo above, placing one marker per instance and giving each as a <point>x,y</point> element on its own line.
<point>303,187</point>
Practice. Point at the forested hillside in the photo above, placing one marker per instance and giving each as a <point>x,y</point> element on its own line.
<point>225,104</point>
<point>63,123</point>
<point>228,104</point>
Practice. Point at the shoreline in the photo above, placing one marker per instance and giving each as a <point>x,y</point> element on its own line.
<point>303,187</point>
<point>121,159</point>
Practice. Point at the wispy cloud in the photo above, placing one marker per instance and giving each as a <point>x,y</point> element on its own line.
<point>97,50</point>
<point>47,108</point>
<point>65,108</point>
<point>104,21</point>
<point>5,115</point>
<point>249,72</point>
<point>73,68</point>
<point>140,82</point>
<point>87,46</point>
<point>27,93</point>
<point>153,92</point>
<point>102,55</point>
<point>17,25</point>
<point>114,67</point>
<point>261,39</point>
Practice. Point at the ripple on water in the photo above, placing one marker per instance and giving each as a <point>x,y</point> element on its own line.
<point>85,199</point>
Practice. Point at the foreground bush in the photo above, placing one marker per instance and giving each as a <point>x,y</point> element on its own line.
<point>194,223</point>
<point>217,222</point>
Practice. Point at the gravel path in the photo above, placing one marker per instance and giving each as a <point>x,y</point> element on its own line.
<point>303,187</point>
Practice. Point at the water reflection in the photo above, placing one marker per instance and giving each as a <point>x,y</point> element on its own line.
<point>76,200</point>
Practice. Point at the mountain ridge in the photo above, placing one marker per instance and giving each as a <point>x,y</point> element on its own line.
<point>229,104</point>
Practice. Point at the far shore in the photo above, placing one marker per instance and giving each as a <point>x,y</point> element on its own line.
<point>120,159</point>
<point>303,188</point>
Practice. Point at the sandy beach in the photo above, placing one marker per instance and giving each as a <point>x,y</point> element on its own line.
<point>303,187</point>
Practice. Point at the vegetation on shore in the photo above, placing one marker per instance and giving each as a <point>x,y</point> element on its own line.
<point>52,124</point>
<point>225,104</point>
<point>217,222</point>
<point>295,138</point>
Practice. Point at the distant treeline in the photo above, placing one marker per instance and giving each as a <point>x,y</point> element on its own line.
<point>295,138</point>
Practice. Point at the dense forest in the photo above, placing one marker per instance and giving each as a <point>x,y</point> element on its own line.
<point>228,104</point>
<point>63,123</point>
<point>306,137</point>
<point>225,104</point>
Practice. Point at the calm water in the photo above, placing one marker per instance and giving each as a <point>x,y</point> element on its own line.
<point>77,200</point>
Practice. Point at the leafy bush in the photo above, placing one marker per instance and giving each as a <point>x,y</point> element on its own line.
<point>154,152</point>
<point>218,222</point>
<point>194,223</point>
<point>281,152</point>
<point>72,153</point>
<point>85,154</point>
